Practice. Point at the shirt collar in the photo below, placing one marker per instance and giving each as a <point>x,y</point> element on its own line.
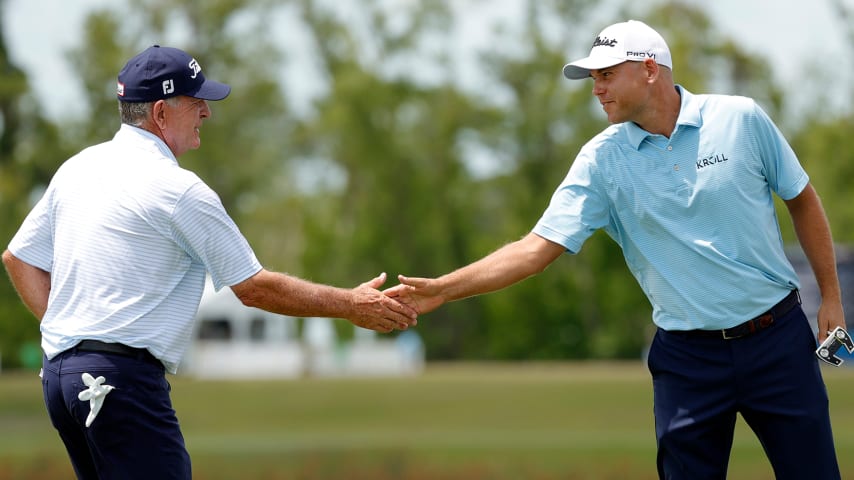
<point>142,136</point>
<point>689,115</point>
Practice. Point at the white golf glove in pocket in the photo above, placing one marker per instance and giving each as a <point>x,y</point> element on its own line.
<point>94,394</point>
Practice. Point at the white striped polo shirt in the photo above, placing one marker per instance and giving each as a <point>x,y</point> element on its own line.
<point>127,235</point>
<point>694,213</point>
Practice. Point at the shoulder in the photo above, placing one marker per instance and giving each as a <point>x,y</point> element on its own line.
<point>609,144</point>
<point>613,137</point>
<point>736,114</point>
<point>601,157</point>
<point>735,105</point>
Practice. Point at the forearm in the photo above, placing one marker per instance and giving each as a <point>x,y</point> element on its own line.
<point>814,235</point>
<point>506,266</point>
<point>31,283</point>
<point>288,295</point>
<point>364,306</point>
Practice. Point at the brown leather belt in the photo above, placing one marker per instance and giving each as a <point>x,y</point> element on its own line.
<point>751,326</point>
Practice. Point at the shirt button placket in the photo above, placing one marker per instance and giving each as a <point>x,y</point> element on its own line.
<point>675,165</point>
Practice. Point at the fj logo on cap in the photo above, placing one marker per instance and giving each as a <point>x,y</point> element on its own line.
<point>168,86</point>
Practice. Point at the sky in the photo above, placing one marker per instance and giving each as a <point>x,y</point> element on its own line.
<point>787,32</point>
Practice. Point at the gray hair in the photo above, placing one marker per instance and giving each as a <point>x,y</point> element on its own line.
<point>135,113</point>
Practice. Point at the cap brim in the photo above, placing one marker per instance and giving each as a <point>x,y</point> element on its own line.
<point>581,68</point>
<point>211,90</point>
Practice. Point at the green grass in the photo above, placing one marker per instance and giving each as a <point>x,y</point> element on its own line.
<point>520,421</point>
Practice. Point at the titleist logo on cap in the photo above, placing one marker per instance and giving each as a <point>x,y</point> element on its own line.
<point>604,42</point>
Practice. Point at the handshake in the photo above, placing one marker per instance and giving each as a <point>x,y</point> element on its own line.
<point>398,307</point>
<point>395,308</point>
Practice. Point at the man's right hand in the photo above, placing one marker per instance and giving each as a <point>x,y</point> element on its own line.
<point>379,312</point>
<point>421,294</point>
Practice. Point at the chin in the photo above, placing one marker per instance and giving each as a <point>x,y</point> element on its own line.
<point>615,119</point>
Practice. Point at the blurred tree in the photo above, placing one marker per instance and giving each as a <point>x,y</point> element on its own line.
<point>242,156</point>
<point>705,60</point>
<point>827,153</point>
<point>406,202</point>
<point>30,150</point>
<point>826,148</point>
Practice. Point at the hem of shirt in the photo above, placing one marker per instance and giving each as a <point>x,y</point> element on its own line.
<point>568,243</point>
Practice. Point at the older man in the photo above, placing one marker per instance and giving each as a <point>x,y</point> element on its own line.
<point>113,260</point>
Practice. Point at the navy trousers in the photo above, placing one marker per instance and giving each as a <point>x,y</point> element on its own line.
<point>771,378</point>
<point>136,433</point>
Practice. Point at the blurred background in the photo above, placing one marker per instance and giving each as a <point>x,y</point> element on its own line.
<point>408,137</point>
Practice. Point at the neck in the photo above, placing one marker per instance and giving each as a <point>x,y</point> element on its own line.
<point>660,118</point>
<point>155,130</point>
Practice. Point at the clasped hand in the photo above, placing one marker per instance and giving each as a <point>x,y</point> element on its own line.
<point>397,307</point>
<point>380,312</point>
<point>420,294</point>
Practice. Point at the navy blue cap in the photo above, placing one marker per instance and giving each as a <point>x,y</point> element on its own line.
<point>163,72</point>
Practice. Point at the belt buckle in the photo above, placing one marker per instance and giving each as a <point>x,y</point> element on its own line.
<point>730,337</point>
<point>738,331</point>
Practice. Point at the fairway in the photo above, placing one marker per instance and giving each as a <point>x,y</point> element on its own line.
<point>456,421</point>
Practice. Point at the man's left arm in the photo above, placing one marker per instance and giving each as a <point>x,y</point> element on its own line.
<point>31,283</point>
<point>813,231</point>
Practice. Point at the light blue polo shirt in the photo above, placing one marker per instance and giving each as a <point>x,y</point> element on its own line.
<point>127,236</point>
<point>694,214</point>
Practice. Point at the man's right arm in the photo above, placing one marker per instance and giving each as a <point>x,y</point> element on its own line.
<point>506,266</point>
<point>364,306</point>
<point>31,283</point>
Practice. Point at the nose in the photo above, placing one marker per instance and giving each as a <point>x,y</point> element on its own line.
<point>598,87</point>
<point>205,111</point>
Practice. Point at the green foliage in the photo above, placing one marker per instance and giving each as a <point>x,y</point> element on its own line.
<point>826,150</point>
<point>707,61</point>
<point>30,151</point>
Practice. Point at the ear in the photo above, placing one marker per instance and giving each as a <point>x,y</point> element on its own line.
<point>652,69</point>
<point>158,114</point>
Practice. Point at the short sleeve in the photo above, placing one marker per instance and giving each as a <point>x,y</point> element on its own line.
<point>208,234</point>
<point>783,170</point>
<point>33,243</point>
<point>577,208</point>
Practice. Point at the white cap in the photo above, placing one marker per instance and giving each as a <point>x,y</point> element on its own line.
<point>620,42</point>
